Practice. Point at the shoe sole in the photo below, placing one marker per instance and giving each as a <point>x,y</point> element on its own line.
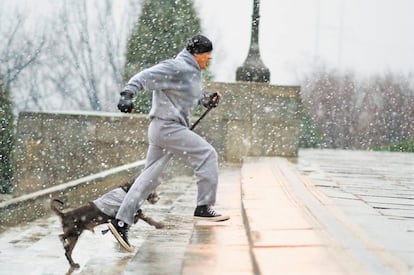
<point>212,219</point>
<point>119,238</point>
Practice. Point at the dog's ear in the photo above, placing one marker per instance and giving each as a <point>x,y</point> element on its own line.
<point>54,204</point>
<point>126,186</point>
<point>58,201</point>
<point>153,198</point>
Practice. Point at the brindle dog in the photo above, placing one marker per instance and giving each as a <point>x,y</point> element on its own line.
<point>87,217</point>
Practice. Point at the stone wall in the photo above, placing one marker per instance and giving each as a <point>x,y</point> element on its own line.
<point>53,148</point>
<point>56,147</point>
<point>255,119</point>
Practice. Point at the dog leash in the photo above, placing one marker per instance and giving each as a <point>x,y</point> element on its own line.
<point>201,117</point>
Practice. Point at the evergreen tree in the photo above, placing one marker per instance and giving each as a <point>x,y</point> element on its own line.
<point>160,33</point>
<point>310,137</point>
<point>6,139</point>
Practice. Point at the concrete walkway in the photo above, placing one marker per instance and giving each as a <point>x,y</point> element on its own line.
<point>286,218</point>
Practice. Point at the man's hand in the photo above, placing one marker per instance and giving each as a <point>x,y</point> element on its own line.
<point>211,100</point>
<point>125,104</point>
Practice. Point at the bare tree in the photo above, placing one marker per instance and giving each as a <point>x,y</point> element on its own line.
<point>329,99</point>
<point>18,51</point>
<point>77,59</point>
<point>389,108</point>
<point>88,65</point>
<point>363,113</point>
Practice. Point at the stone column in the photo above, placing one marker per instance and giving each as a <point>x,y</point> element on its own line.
<point>253,68</point>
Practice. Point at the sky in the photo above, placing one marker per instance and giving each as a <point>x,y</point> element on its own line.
<point>363,36</point>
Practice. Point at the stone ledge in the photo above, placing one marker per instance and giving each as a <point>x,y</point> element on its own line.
<point>73,193</point>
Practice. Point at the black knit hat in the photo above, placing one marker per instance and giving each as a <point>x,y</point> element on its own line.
<point>199,44</point>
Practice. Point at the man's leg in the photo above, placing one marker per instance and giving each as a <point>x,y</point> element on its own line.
<point>183,142</point>
<point>145,183</point>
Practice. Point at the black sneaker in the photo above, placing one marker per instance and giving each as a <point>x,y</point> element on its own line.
<point>206,213</point>
<point>120,231</point>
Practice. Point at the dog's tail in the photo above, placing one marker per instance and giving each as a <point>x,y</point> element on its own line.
<point>54,208</point>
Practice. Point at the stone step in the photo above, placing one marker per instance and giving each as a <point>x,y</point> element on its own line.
<point>286,236</point>
<point>188,247</point>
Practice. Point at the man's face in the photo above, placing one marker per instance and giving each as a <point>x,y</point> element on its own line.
<point>203,59</point>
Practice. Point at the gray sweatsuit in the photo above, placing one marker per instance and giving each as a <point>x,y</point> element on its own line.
<point>176,87</point>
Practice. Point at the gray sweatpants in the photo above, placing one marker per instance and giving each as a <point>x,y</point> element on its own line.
<point>167,138</point>
<point>110,202</point>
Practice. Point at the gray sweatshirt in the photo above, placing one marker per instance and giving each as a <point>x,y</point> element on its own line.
<point>176,87</point>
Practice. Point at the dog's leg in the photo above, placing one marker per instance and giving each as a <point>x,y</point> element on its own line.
<point>62,238</point>
<point>149,220</point>
<point>69,245</point>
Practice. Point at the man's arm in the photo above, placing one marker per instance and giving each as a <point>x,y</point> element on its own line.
<point>157,77</point>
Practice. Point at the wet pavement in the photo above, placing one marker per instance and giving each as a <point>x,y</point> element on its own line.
<point>373,195</point>
<point>331,212</point>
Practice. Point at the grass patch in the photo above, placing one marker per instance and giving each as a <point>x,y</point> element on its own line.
<point>403,146</point>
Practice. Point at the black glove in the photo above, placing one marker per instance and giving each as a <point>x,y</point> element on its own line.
<point>125,104</point>
<point>211,100</point>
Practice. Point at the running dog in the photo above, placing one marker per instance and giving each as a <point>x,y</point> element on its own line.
<point>87,217</point>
